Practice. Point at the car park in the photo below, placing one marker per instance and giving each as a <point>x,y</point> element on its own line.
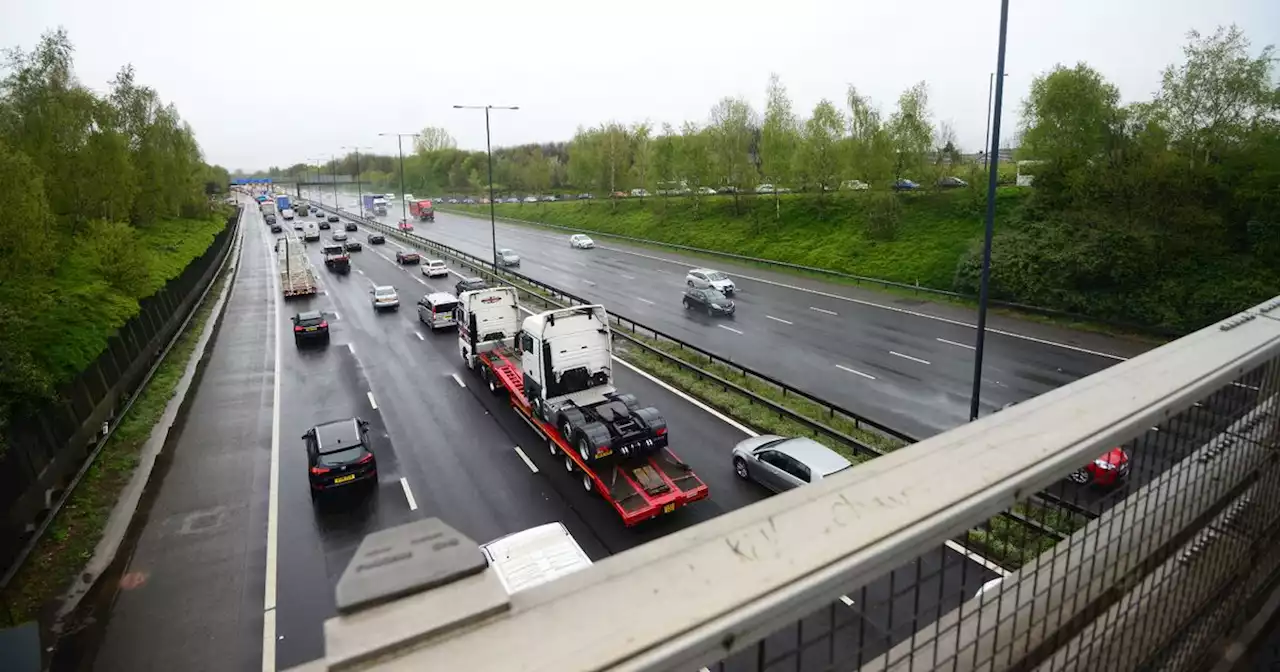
<point>581,241</point>
<point>508,257</point>
<point>434,268</point>
<point>709,301</point>
<point>350,226</point>
<point>403,257</point>
<point>780,463</point>
<point>706,277</point>
<point>353,246</point>
<point>468,285</point>
<point>310,327</point>
<point>339,456</point>
<point>340,235</point>
<point>436,310</point>
<point>376,239</point>
<point>384,297</point>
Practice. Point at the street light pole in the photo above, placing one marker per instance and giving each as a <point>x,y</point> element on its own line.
<point>359,188</point>
<point>488,149</point>
<point>987,140</point>
<point>992,170</point>
<point>404,208</point>
<point>333,169</point>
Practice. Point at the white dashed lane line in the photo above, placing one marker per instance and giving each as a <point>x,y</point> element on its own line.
<point>914,359</point>
<point>408,494</point>
<point>729,329</point>
<point>352,348</point>
<point>419,335</point>
<point>855,372</point>
<point>646,301</point>
<point>958,345</point>
<point>779,319</point>
<point>372,403</point>
<point>457,379</point>
<point>823,310</point>
<point>527,462</point>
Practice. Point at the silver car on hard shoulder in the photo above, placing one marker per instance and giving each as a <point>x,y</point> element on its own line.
<point>780,463</point>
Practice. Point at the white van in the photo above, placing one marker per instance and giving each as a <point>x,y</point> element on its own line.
<point>534,556</point>
<point>436,310</point>
<point>310,231</point>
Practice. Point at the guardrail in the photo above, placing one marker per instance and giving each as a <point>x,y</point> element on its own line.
<point>859,279</point>
<point>847,573</point>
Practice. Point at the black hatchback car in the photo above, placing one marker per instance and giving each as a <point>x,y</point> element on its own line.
<point>468,285</point>
<point>710,301</point>
<point>339,456</point>
<point>376,239</point>
<point>350,226</point>
<point>353,246</point>
<point>310,327</point>
<point>333,218</point>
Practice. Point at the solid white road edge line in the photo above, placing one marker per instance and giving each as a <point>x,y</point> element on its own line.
<point>646,301</point>
<point>868,376</point>
<point>779,319</point>
<point>527,462</point>
<point>273,484</point>
<point>729,329</point>
<point>914,359</point>
<point>408,494</point>
<point>663,384</point>
<point>372,403</point>
<point>991,566</point>
<point>845,599</point>
<point>823,310</point>
<point>419,335</point>
<point>958,345</point>
<point>458,380</point>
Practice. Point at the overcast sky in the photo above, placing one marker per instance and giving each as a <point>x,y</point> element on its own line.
<point>278,82</point>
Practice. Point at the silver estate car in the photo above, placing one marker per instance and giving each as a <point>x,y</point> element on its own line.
<point>780,463</point>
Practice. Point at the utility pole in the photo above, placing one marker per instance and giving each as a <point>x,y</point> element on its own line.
<point>359,188</point>
<point>488,148</point>
<point>404,208</point>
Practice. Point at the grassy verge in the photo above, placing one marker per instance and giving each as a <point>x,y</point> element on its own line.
<point>1012,544</point>
<point>70,540</point>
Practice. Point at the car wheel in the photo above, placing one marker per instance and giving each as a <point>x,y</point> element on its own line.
<point>688,282</point>
<point>686,303</point>
<point>740,468</point>
<point>1080,476</point>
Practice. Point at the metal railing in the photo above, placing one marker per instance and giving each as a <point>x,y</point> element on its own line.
<point>869,569</point>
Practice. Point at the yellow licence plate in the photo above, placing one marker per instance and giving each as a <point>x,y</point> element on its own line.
<point>669,508</point>
<point>312,328</point>
<point>345,479</point>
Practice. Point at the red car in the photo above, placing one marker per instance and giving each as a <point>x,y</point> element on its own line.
<point>405,225</point>
<point>1110,469</point>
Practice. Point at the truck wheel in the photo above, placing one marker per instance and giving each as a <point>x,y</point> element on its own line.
<point>568,464</point>
<point>586,482</point>
<point>551,446</point>
<point>584,449</point>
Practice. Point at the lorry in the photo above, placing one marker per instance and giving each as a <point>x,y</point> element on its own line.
<point>422,210</point>
<point>282,203</point>
<point>375,205</point>
<point>336,258</point>
<point>267,208</point>
<point>297,277</point>
<point>555,369</point>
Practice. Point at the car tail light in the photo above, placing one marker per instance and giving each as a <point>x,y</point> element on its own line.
<point>297,328</point>
<point>317,471</point>
<point>662,431</point>
<point>324,324</point>
<point>367,458</point>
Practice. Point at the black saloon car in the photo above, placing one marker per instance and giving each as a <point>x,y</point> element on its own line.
<point>708,300</point>
<point>310,327</point>
<point>376,239</point>
<point>349,226</point>
<point>339,456</point>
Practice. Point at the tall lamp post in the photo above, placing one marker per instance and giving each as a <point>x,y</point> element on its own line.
<point>992,170</point>
<point>333,169</point>
<point>990,85</point>
<point>359,189</point>
<point>400,145</point>
<point>316,161</point>
<point>488,149</point>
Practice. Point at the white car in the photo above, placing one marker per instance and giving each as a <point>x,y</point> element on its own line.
<point>639,193</point>
<point>581,241</point>
<point>530,199</point>
<point>706,191</point>
<point>703,278</point>
<point>339,235</point>
<point>391,197</point>
<point>384,296</point>
<point>769,189</point>
<point>855,185</point>
<point>435,267</point>
<point>409,197</point>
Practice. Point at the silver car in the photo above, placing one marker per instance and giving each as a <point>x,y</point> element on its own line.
<point>780,463</point>
<point>508,257</point>
<point>384,296</point>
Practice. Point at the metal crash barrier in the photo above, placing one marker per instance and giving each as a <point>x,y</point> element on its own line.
<point>886,566</point>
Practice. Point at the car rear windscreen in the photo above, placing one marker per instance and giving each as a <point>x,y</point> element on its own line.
<point>311,321</point>
<point>444,307</point>
<point>343,456</point>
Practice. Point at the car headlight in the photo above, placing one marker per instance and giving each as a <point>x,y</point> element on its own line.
<point>1103,464</point>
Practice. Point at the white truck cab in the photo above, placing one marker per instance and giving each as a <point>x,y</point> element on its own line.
<point>487,319</point>
<point>534,556</point>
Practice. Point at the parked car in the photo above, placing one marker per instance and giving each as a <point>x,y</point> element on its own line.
<point>353,246</point>
<point>512,199</point>
<point>340,235</point>
<point>508,257</point>
<point>530,199</point>
<point>709,301</point>
<point>702,278</point>
<point>904,185</point>
<point>706,191</point>
<point>548,199</point>
<point>770,189</point>
<point>376,239</point>
<point>468,285</point>
<point>350,226</point>
<point>951,183</point>
<point>435,267</point>
<point>639,193</point>
<point>855,185</point>
<point>453,201</point>
<point>384,297</point>
<point>468,201</point>
<point>619,194</point>
<point>581,241</point>
<point>340,456</point>
<point>780,463</point>
<point>403,257</point>
<point>584,197</point>
<point>310,327</point>
<point>727,190</point>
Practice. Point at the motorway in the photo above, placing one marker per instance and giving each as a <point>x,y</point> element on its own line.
<point>902,362</point>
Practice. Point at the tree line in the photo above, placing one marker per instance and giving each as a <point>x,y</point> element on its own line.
<point>80,174</point>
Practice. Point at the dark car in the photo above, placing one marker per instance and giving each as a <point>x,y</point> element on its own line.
<point>310,327</point>
<point>403,257</point>
<point>276,228</point>
<point>584,197</point>
<point>708,300</point>
<point>332,218</point>
<point>353,246</point>
<point>468,285</point>
<point>339,456</point>
<point>270,219</point>
<point>376,239</point>
<point>904,185</point>
<point>350,226</point>
<point>951,183</point>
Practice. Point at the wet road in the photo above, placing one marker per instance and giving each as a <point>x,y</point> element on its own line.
<point>875,354</point>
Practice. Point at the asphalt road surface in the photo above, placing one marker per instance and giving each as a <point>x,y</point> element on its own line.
<point>900,361</point>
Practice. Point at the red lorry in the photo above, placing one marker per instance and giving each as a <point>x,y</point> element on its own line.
<point>555,370</point>
<point>422,210</point>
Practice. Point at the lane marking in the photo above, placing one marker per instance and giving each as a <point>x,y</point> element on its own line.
<point>855,372</point>
<point>847,602</point>
<point>627,277</point>
<point>589,283</point>
<point>914,359</point>
<point>823,310</point>
<point>419,335</point>
<point>372,403</point>
<point>528,462</point>
<point>779,319</point>
<point>729,329</point>
<point>273,487</point>
<point>352,348</point>
<point>359,271</point>
<point>458,379</point>
<point>408,494</point>
<point>990,566</point>
<point>336,316</point>
<point>958,345</point>
<point>646,301</point>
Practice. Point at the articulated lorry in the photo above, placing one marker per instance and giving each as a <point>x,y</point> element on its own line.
<point>375,205</point>
<point>297,276</point>
<point>556,371</point>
